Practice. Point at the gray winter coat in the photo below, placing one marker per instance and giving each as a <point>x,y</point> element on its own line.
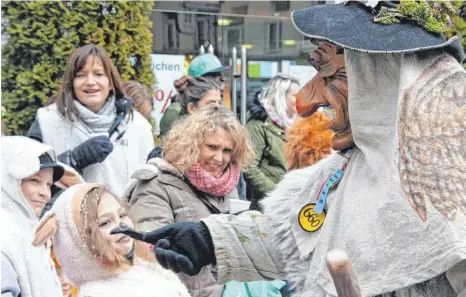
<point>160,196</point>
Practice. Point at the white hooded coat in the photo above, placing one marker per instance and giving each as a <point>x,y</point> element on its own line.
<point>33,266</point>
<point>407,116</point>
<point>83,269</point>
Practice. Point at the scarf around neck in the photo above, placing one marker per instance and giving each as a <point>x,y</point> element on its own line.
<point>212,185</point>
<point>101,121</point>
<point>284,122</point>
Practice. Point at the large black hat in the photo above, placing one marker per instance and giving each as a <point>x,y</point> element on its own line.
<point>352,26</point>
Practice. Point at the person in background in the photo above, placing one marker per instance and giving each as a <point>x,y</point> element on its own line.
<point>203,155</point>
<point>142,99</point>
<point>308,141</point>
<point>29,168</point>
<point>142,102</point>
<point>205,65</point>
<point>98,263</point>
<point>271,114</point>
<point>193,93</point>
<point>91,124</point>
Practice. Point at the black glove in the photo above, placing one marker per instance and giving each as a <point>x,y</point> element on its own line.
<point>182,247</point>
<point>92,151</point>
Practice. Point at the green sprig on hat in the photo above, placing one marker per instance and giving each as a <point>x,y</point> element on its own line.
<point>433,16</point>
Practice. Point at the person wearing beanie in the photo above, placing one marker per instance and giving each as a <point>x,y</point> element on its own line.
<point>205,65</point>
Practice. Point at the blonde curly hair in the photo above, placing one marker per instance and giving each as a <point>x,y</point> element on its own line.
<point>183,142</point>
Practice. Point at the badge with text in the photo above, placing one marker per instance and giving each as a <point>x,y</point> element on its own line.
<point>309,220</point>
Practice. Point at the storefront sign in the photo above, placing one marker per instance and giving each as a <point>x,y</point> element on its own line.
<point>167,69</point>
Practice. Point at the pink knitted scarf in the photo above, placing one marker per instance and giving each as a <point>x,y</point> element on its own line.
<point>210,184</point>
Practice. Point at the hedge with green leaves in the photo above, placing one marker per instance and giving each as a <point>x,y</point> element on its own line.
<point>458,25</point>
<point>41,36</point>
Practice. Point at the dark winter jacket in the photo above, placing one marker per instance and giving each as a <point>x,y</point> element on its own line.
<point>170,116</point>
<point>268,141</point>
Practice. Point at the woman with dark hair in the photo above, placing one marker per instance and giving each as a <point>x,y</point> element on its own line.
<point>91,123</point>
<point>203,66</point>
<point>193,93</point>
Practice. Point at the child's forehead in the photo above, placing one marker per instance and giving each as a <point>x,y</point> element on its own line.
<point>43,172</point>
<point>109,203</point>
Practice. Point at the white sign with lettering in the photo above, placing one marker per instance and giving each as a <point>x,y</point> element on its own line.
<point>167,69</point>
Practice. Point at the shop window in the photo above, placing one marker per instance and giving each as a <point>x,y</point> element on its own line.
<point>205,31</point>
<point>274,36</point>
<point>171,36</point>
<point>243,9</point>
<point>232,36</point>
<point>280,6</point>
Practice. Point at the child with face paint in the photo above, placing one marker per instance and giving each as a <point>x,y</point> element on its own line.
<point>29,169</point>
<point>98,263</point>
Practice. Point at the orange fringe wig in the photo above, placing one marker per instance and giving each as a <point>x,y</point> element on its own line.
<point>309,140</point>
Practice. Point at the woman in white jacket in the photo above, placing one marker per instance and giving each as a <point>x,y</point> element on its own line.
<point>91,124</point>
<point>98,263</point>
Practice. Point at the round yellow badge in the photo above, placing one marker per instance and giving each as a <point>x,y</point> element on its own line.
<point>309,220</point>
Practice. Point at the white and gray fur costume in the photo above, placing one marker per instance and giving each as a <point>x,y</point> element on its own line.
<point>33,266</point>
<point>407,113</point>
<point>83,268</point>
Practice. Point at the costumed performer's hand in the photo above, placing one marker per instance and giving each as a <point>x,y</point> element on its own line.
<point>181,247</point>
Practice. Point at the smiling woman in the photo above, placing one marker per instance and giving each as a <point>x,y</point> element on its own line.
<point>91,123</point>
<point>203,155</point>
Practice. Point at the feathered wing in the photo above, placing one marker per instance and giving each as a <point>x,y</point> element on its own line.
<point>432,139</point>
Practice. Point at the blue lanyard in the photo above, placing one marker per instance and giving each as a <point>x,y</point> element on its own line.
<point>329,183</point>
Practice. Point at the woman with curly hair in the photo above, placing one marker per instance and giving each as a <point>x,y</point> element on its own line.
<point>309,140</point>
<point>198,174</point>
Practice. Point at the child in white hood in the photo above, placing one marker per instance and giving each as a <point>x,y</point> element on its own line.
<point>29,168</point>
<point>98,263</point>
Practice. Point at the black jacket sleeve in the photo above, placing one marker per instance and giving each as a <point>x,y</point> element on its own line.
<point>35,132</point>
